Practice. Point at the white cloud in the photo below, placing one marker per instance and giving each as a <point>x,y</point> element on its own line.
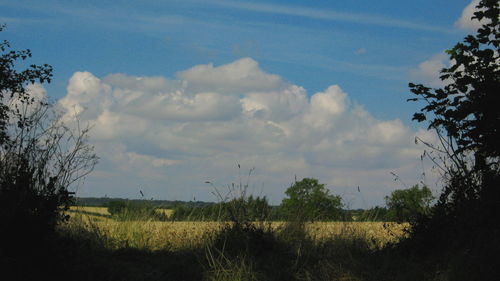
<point>275,105</point>
<point>331,102</point>
<point>465,21</point>
<point>239,77</point>
<point>136,158</point>
<point>36,92</point>
<point>428,72</point>
<point>174,134</point>
<point>388,132</point>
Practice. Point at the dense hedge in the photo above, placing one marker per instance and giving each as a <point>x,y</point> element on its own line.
<point>247,209</point>
<point>128,210</point>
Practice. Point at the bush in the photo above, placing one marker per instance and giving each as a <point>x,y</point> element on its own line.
<point>463,226</point>
<point>248,252</point>
<point>116,207</point>
<point>40,156</point>
<point>242,210</point>
<point>375,214</point>
<point>129,210</point>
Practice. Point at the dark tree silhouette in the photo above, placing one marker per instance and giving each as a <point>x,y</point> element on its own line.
<point>466,117</point>
<point>465,112</point>
<point>40,158</point>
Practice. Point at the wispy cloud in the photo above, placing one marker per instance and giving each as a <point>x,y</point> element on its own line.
<point>381,71</point>
<point>329,15</point>
<point>24,20</point>
<point>104,17</point>
<point>289,10</point>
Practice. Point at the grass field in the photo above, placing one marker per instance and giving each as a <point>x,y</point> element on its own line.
<point>149,249</point>
<point>172,235</point>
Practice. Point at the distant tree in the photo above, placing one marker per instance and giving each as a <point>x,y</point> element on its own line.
<point>116,207</point>
<point>310,200</point>
<point>407,204</point>
<point>376,213</point>
<point>134,210</point>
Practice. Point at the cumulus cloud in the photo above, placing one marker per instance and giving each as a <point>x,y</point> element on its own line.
<point>428,72</point>
<point>275,105</point>
<point>325,107</point>
<point>239,77</point>
<point>35,91</point>
<point>174,134</point>
<point>465,21</point>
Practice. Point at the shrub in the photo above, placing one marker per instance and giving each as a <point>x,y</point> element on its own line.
<point>249,209</point>
<point>129,210</point>
<point>40,156</point>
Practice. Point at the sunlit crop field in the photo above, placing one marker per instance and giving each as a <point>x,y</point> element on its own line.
<point>95,210</point>
<point>104,210</point>
<point>157,235</point>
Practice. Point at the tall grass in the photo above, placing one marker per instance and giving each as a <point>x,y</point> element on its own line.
<point>291,250</point>
<point>242,244</point>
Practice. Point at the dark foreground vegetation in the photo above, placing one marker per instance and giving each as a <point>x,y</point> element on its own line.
<point>456,239</point>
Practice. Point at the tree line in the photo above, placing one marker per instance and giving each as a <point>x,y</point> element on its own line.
<point>306,200</point>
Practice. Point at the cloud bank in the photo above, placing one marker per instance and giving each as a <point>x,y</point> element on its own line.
<point>168,136</point>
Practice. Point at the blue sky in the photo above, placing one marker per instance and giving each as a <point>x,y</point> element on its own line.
<point>369,49</point>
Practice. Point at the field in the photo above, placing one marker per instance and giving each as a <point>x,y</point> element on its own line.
<point>145,249</point>
<point>175,235</point>
<point>134,248</point>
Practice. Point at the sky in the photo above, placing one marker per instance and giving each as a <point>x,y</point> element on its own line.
<point>179,93</point>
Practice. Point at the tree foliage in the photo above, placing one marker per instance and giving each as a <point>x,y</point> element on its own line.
<point>408,204</point>
<point>131,210</point>
<point>376,213</point>
<point>465,114</point>
<point>466,117</point>
<point>310,200</point>
<point>40,157</point>
<point>466,109</point>
<point>13,84</point>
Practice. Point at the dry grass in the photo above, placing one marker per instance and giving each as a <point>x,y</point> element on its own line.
<point>104,210</point>
<point>156,235</point>
<point>377,233</point>
<point>96,210</point>
<point>146,234</point>
<point>166,212</point>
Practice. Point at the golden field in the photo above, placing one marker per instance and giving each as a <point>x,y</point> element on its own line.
<point>174,235</point>
<point>104,210</point>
